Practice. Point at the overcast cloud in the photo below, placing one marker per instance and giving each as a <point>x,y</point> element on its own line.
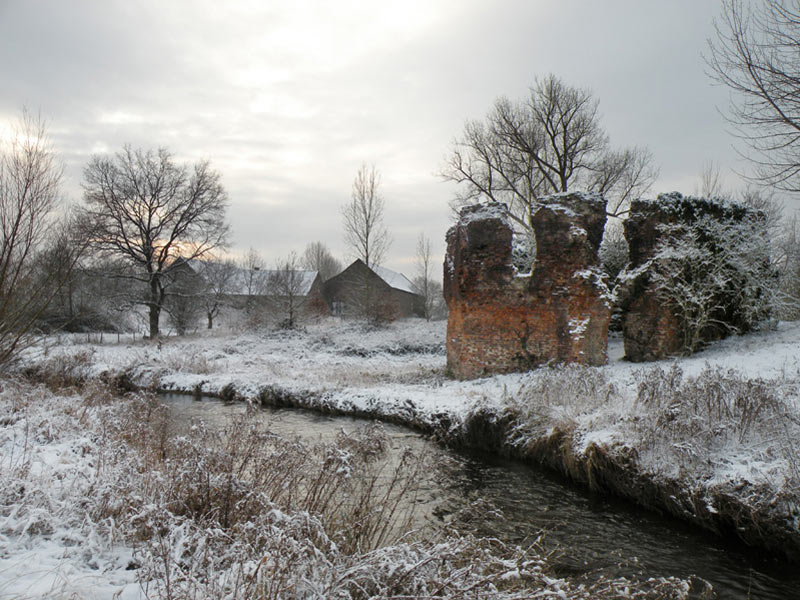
<point>287,99</point>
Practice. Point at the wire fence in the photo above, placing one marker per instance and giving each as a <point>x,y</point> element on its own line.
<point>94,337</point>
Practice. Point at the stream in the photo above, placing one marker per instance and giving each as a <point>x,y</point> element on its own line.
<point>587,531</point>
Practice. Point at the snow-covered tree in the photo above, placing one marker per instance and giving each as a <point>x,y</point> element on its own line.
<point>715,272</point>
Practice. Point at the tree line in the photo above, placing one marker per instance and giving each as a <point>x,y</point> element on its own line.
<point>88,266</point>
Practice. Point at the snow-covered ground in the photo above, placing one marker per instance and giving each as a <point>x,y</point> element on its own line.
<point>385,369</point>
<point>79,506</point>
<point>50,547</point>
<point>399,372</point>
<point>744,439</point>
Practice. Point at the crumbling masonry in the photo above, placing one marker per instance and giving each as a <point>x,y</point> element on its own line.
<point>506,316</point>
<point>651,329</point>
<point>503,318</point>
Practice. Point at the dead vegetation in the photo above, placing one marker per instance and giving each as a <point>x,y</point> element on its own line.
<point>716,449</point>
<point>240,512</point>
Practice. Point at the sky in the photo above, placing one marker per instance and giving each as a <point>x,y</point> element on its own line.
<point>287,99</point>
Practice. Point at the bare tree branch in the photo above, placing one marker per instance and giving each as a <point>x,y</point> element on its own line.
<point>364,231</point>
<point>756,54</point>
<point>30,178</point>
<point>317,257</point>
<point>550,142</point>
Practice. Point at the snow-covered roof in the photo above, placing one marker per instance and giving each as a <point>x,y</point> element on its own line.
<point>395,280</point>
<point>257,282</point>
<point>264,282</point>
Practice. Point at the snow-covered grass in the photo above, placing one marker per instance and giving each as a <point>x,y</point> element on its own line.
<point>399,372</point>
<point>327,355</point>
<point>710,438</point>
<point>100,499</point>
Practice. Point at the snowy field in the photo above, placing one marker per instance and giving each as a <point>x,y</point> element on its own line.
<point>726,417</point>
<point>399,368</point>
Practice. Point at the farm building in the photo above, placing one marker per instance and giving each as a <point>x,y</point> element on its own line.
<point>376,293</point>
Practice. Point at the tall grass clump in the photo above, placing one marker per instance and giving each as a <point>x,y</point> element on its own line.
<point>555,398</point>
<point>694,421</point>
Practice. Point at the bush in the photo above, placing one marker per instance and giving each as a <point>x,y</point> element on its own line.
<point>713,269</point>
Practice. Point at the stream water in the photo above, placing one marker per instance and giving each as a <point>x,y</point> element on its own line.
<point>589,532</point>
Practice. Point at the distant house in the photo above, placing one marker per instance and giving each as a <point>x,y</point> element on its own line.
<point>274,285</point>
<point>282,293</point>
<point>377,293</point>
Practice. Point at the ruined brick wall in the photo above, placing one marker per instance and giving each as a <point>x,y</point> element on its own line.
<point>651,328</point>
<point>501,320</point>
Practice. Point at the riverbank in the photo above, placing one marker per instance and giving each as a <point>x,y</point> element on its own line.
<point>106,496</point>
<point>709,439</point>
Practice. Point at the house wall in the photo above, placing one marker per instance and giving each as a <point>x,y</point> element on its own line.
<point>501,320</point>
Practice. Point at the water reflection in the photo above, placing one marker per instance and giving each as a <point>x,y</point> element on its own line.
<point>588,531</point>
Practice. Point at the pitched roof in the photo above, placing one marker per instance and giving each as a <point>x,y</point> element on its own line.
<point>395,280</point>
<point>258,282</point>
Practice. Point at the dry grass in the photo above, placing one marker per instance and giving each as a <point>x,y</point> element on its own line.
<point>691,420</point>
<point>239,512</point>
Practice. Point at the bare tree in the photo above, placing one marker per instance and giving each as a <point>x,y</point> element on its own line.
<point>550,142</point>
<point>317,257</point>
<point>102,295</point>
<point>184,300</point>
<point>287,289</point>
<point>364,231</point>
<point>253,283</point>
<point>58,264</point>
<point>149,210</point>
<point>757,55</point>
<point>30,176</point>
<point>710,181</point>
<point>423,274</point>
<point>218,276</point>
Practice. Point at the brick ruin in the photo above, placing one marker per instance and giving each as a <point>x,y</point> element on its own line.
<point>650,329</point>
<point>506,317</point>
<point>503,318</point>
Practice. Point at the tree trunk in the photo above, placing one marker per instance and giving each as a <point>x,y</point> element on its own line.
<point>155,308</point>
<point>155,312</point>
<point>210,320</point>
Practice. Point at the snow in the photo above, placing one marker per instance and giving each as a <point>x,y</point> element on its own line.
<point>577,232</point>
<point>379,369</point>
<point>553,201</point>
<point>396,372</point>
<point>577,327</point>
<point>598,278</point>
<point>481,212</point>
<point>395,280</point>
<point>49,548</point>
